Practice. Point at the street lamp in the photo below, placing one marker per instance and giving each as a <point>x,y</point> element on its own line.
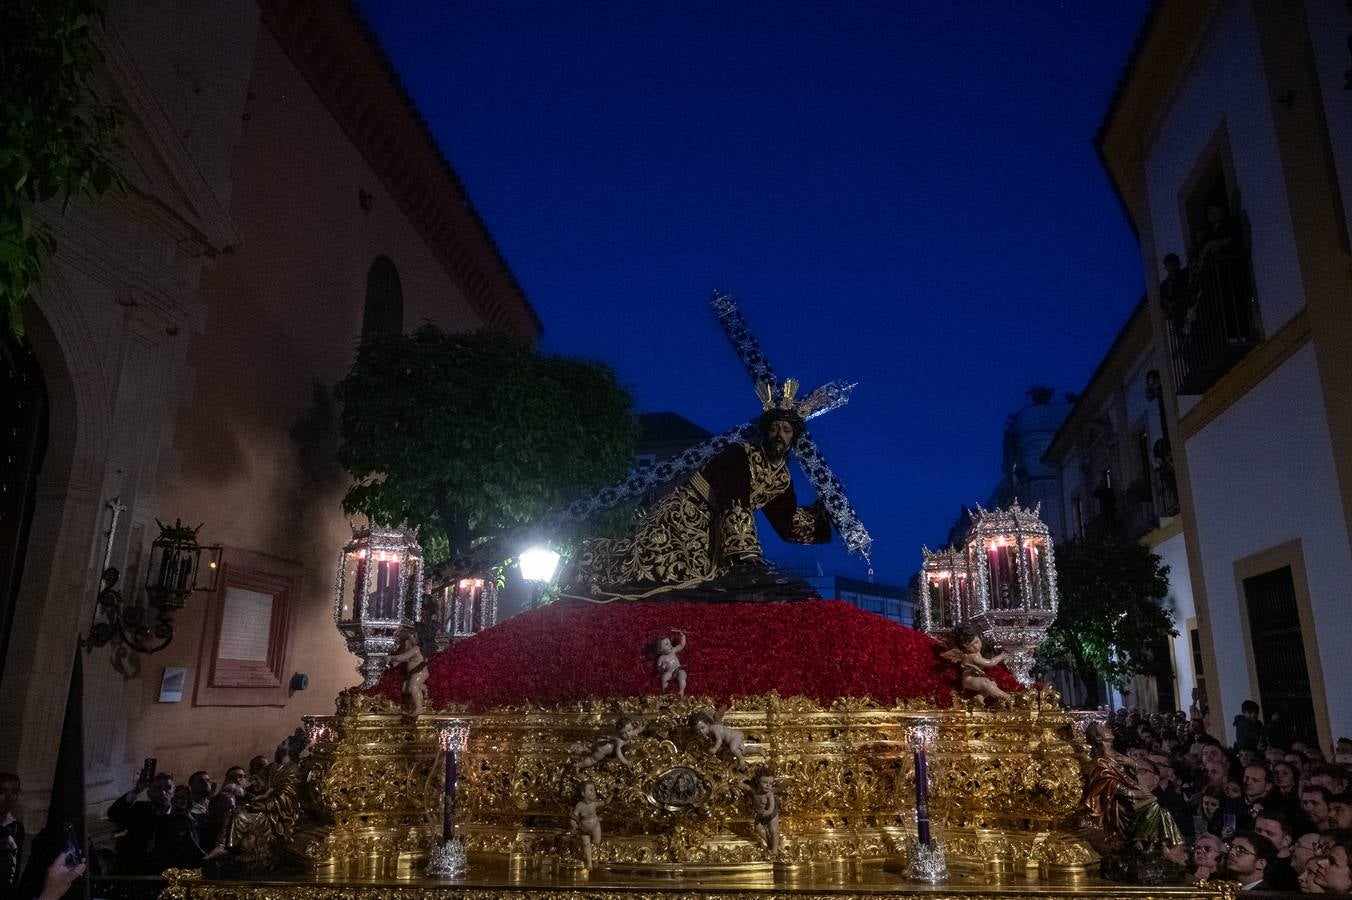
<point>538,565</point>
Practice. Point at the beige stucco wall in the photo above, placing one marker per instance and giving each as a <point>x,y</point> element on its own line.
<point>191,332</point>
<point>257,432</point>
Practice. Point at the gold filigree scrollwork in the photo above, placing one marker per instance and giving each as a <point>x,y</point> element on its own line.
<point>1003,782</point>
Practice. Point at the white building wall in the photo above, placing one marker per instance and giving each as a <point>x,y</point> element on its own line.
<point>1225,88</point>
<point>1262,475</point>
<point>1174,554</point>
<point>1330,24</point>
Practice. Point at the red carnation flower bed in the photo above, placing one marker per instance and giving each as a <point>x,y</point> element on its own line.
<point>570,651</point>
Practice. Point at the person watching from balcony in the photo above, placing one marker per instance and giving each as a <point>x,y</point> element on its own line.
<point>1248,727</point>
<point>1219,234</point>
<point>1176,296</point>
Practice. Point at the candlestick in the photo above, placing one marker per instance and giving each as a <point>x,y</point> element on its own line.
<point>448,807</point>
<point>927,859</point>
<point>449,858</point>
<point>922,824</point>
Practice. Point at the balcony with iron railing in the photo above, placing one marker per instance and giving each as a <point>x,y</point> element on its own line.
<point>1220,324</point>
<point>1134,511</point>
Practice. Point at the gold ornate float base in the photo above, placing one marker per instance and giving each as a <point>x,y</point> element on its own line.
<point>1004,786</point>
<point>813,884</point>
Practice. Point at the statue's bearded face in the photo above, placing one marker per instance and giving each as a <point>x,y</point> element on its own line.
<point>777,438</point>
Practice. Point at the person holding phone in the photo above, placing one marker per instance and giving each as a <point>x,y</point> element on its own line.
<point>137,818</point>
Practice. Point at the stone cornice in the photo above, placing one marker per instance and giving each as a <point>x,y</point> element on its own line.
<point>1168,41</point>
<point>338,56</point>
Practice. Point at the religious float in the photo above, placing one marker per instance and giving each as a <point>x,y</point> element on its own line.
<point>685,721</point>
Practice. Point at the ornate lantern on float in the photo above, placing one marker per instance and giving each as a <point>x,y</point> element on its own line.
<point>1010,556</point>
<point>380,577</point>
<point>468,606</point>
<point>945,590</point>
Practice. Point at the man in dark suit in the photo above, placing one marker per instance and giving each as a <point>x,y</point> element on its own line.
<point>137,819</point>
<point>1248,859</point>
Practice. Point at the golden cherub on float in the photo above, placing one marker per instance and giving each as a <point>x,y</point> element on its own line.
<point>796,743</point>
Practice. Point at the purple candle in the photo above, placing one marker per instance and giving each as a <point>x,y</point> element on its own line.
<point>453,739</point>
<point>922,824</point>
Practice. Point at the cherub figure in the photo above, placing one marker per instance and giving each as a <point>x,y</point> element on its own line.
<point>765,808</point>
<point>705,723</point>
<point>415,671</point>
<point>613,744</point>
<point>966,652</point>
<point>585,821</point>
<point>668,665</point>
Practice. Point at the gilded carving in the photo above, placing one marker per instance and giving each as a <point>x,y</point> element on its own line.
<point>1002,782</point>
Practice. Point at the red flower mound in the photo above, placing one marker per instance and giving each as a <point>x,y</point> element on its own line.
<point>822,649</point>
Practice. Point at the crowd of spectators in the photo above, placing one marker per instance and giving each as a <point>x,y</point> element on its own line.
<point>160,824</point>
<point>1270,812</point>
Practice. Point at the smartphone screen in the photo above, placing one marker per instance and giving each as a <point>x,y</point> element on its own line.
<point>1229,822</point>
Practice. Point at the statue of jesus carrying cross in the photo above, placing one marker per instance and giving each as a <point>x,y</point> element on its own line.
<point>700,538</point>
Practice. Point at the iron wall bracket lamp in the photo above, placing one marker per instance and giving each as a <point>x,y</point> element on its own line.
<point>178,567</point>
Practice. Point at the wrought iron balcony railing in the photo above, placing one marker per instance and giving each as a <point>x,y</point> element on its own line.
<point>1220,326</point>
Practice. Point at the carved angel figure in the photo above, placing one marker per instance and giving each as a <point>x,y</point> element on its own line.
<point>765,808</point>
<point>585,820</point>
<point>668,664</point>
<point>705,723</point>
<point>966,652</point>
<point>613,744</point>
<point>410,656</point>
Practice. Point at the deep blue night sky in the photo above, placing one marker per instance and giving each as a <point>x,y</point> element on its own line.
<point>900,194</point>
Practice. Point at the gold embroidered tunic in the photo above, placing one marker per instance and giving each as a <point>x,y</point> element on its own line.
<point>702,528</point>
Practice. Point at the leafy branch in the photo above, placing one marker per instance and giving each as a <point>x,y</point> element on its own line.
<point>54,135</point>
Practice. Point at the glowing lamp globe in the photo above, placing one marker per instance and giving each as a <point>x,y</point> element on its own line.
<point>538,564</point>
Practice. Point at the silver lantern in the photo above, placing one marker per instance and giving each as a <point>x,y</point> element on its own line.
<point>1010,557</point>
<point>380,576</point>
<point>946,590</point>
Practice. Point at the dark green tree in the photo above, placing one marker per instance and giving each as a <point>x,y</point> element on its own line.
<point>1111,618</point>
<point>469,434</point>
<point>54,136</point>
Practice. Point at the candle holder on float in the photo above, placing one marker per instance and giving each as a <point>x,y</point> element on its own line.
<point>466,606</point>
<point>926,861</point>
<point>380,574</point>
<point>946,587</point>
<point>1010,556</point>
<point>448,858</point>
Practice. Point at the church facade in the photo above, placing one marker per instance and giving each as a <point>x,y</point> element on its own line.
<point>283,198</point>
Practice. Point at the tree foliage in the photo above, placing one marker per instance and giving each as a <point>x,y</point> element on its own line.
<point>1111,616</point>
<point>468,434</point>
<point>54,137</point>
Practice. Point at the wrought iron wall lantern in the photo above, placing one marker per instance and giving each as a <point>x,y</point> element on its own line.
<point>178,567</point>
